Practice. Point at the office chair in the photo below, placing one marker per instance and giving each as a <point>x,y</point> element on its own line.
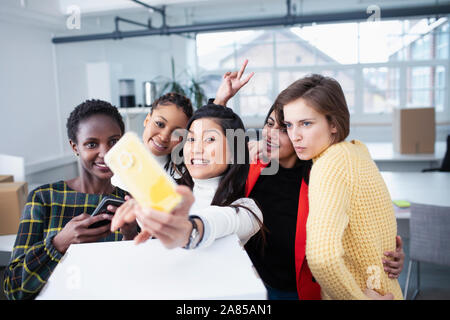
<point>429,229</point>
<point>445,166</point>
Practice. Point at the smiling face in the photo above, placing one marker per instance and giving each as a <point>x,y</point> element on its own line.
<point>277,142</point>
<point>159,126</point>
<point>95,136</point>
<point>205,151</point>
<point>309,130</point>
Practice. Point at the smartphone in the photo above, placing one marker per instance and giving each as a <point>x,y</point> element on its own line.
<point>141,174</point>
<point>102,208</point>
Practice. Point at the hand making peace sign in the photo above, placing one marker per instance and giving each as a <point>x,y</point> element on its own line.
<point>231,84</point>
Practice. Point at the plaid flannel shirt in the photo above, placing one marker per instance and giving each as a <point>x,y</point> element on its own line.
<point>48,209</point>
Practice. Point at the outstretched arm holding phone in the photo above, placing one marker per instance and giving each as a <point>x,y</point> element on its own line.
<point>173,229</point>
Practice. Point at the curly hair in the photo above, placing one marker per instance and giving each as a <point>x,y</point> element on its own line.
<point>177,99</point>
<point>87,109</point>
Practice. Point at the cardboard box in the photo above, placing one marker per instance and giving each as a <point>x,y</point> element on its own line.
<point>6,178</point>
<point>13,196</point>
<point>414,130</point>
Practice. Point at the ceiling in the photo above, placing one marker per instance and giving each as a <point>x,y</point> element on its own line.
<point>102,7</point>
<point>186,12</point>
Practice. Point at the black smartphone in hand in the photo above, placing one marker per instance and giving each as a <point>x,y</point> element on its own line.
<point>101,208</point>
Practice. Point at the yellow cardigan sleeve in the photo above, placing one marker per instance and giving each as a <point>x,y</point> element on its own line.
<point>329,200</point>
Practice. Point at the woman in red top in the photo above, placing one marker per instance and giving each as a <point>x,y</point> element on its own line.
<point>282,196</point>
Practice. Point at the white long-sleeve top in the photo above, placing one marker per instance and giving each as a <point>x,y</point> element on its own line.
<point>222,221</point>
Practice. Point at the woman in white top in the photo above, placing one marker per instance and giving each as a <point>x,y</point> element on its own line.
<point>216,164</point>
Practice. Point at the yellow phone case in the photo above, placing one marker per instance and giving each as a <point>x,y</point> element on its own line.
<point>144,178</point>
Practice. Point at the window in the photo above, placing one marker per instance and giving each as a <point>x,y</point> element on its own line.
<point>419,87</point>
<point>421,48</point>
<point>442,40</point>
<point>426,87</point>
<point>439,98</point>
<point>346,78</point>
<point>254,100</point>
<point>380,65</point>
<point>381,89</point>
<point>380,41</point>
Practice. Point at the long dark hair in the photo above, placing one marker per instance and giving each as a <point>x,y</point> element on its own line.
<point>307,164</point>
<point>232,184</point>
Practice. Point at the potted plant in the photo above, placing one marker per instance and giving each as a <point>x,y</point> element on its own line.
<point>191,87</point>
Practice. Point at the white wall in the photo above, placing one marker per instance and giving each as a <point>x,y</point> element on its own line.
<point>141,59</point>
<point>41,83</point>
<point>28,105</point>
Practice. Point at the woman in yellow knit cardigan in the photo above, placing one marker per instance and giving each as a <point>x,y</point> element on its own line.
<point>351,220</point>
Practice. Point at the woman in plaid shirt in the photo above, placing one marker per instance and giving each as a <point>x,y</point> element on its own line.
<point>59,214</point>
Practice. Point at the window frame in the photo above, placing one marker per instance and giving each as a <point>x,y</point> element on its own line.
<point>359,117</point>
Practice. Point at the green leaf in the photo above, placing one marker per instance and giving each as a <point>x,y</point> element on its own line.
<point>192,90</point>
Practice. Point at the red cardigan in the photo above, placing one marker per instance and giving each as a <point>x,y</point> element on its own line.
<point>307,287</point>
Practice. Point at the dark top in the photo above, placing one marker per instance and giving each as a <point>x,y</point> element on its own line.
<point>48,209</point>
<point>278,197</point>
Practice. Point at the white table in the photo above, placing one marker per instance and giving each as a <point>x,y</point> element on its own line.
<point>123,270</point>
<point>421,187</point>
<point>388,160</point>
